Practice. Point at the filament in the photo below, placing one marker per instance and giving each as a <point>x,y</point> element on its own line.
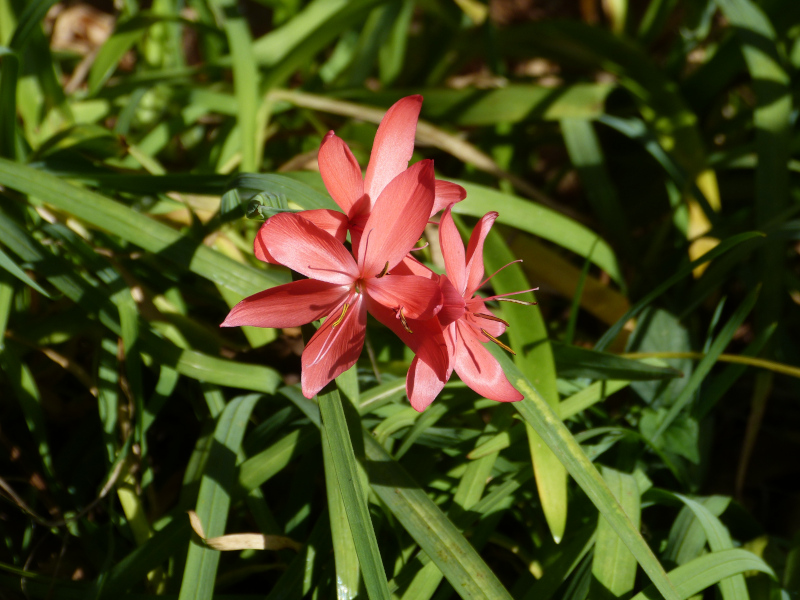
<point>515,301</point>
<point>502,297</point>
<point>385,270</point>
<point>485,281</point>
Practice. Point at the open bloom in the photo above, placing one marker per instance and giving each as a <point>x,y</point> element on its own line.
<point>357,196</point>
<point>465,320</point>
<point>343,286</point>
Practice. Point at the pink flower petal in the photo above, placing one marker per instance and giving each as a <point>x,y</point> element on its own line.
<point>419,298</point>
<point>447,194</point>
<point>480,370</point>
<point>328,220</point>
<point>303,247</point>
<point>335,347</point>
<point>475,252</point>
<point>422,384</point>
<point>340,172</point>
<point>289,305</point>
<point>411,266</point>
<point>453,252</point>
<point>397,220</point>
<point>260,249</point>
<point>452,303</point>
<point>393,145</point>
<point>427,341</point>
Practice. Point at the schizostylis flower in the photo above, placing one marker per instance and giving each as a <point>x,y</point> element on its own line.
<point>465,320</point>
<point>357,195</point>
<point>343,287</point>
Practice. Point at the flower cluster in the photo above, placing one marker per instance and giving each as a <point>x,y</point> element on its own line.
<point>439,317</point>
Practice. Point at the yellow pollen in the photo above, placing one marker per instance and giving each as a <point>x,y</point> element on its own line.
<point>403,321</point>
<point>341,317</point>
<point>498,342</point>
<point>385,269</point>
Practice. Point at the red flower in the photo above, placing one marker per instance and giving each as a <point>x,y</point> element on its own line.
<point>343,288</point>
<point>465,321</point>
<point>391,151</point>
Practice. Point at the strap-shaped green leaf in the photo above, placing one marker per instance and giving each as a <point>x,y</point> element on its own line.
<point>538,414</point>
<point>707,570</point>
<point>103,213</point>
<point>214,498</point>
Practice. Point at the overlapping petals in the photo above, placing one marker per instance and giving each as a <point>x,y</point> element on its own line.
<point>290,305</point>
<point>340,287</point>
<point>464,321</point>
<point>384,213</point>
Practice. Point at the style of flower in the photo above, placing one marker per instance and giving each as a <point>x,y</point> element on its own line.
<point>465,320</point>
<point>357,196</point>
<point>343,287</point>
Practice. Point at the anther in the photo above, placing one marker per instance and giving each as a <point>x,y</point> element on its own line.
<point>341,317</point>
<point>492,318</point>
<point>515,301</point>
<point>385,270</point>
<point>498,342</point>
<point>403,321</point>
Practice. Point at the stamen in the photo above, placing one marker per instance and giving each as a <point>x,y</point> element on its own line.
<point>514,300</point>
<point>385,269</point>
<point>498,342</point>
<point>341,317</point>
<point>420,248</point>
<point>331,338</point>
<point>403,321</point>
<point>485,281</point>
<point>492,318</point>
<point>502,297</point>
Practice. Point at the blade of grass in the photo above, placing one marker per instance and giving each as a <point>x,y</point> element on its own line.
<point>724,246</point>
<point>574,361</point>
<point>245,79</point>
<point>155,237</point>
<point>569,558</point>
<point>613,566</point>
<point>574,309</point>
<point>528,336</point>
<point>687,538</point>
<point>8,100</point>
<point>692,578</point>
<point>720,343</point>
<point>773,122</point>
<point>512,103</point>
<point>538,414</point>
<point>470,488</point>
<point>429,527</point>
<point>6,300</point>
<point>588,159</point>
<point>213,502</point>
<point>733,587</point>
<point>540,221</point>
<point>349,483</point>
<point>344,548</point>
<point>11,267</point>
